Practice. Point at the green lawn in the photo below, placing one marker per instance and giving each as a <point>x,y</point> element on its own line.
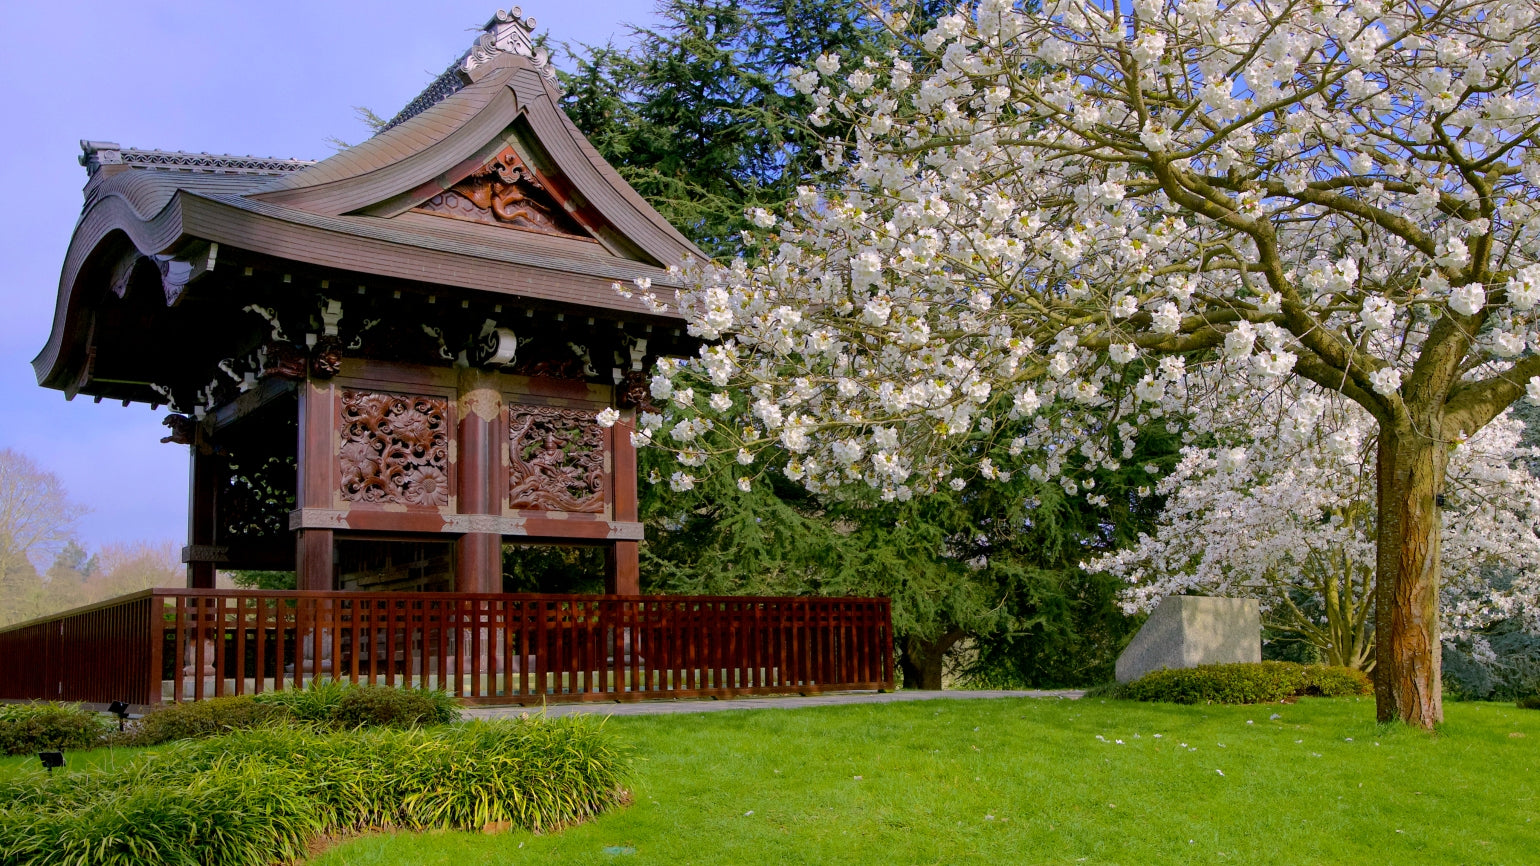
<point>1040,781</point>
<point>1029,781</point>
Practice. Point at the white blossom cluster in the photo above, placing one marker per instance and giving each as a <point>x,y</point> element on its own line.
<point>1076,207</point>
<point>1284,512</point>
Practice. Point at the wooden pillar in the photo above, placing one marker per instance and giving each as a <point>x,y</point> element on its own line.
<point>315,555</point>
<point>478,471</point>
<point>622,564</point>
<point>202,516</point>
<point>315,559</point>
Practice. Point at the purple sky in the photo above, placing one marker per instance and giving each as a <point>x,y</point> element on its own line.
<point>268,79</point>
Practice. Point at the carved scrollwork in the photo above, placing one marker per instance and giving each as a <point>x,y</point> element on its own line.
<point>635,391</point>
<point>504,192</point>
<point>282,359</point>
<point>259,496</point>
<point>184,430</point>
<point>395,448</point>
<point>557,460</point>
<point>326,357</point>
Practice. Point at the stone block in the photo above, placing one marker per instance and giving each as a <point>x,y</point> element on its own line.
<point>1187,630</point>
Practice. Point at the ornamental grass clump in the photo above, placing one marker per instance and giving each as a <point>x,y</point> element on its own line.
<point>345,705</point>
<point>326,704</point>
<point>28,728</point>
<point>264,795</point>
<point>1245,683</point>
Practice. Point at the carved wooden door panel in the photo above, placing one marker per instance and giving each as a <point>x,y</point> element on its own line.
<point>394,448</point>
<point>557,460</point>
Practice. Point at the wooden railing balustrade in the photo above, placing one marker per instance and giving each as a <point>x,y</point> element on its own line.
<point>173,645</point>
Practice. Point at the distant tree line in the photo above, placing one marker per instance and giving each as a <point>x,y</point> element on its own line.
<point>44,568</point>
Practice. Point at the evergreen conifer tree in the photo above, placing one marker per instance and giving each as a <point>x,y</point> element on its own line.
<point>700,117</point>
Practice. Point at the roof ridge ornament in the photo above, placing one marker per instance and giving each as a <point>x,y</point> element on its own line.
<point>508,32</point>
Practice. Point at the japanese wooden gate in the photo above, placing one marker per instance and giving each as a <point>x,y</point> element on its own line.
<point>388,365</point>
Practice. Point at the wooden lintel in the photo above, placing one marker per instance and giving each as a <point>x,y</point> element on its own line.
<point>373,520</point>
<point>266,391</point>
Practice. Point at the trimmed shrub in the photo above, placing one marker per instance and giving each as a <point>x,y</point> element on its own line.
<point>1246,683</point>
<point>35,727</point>
<point>196,719</point>
<point>385,707</point>
<point>259,796</point>
<point>1330,681</point>
<point>1530,703</point>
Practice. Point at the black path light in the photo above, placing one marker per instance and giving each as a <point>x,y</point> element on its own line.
<point>119,709</point>
<point>51,760</point>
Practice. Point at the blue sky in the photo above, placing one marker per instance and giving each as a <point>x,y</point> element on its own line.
<point>270,79</point>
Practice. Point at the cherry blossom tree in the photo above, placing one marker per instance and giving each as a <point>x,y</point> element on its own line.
<point>1288,518</point>
<point>1064,207</point>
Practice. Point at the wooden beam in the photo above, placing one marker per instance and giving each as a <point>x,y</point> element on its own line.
<point>315,554</point>
<point>203,480</point>
<point>622,574</point>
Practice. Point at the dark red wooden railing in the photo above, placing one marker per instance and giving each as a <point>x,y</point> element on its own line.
<point>172,644</point>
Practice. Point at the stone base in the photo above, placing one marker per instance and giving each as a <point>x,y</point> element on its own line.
<point>1186,631</point>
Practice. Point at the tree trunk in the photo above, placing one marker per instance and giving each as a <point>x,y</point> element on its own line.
<point>921,660</point>
<point>1408,656</point>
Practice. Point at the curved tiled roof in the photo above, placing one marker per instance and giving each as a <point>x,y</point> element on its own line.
<point>355,210</point>
<point>95,154</point>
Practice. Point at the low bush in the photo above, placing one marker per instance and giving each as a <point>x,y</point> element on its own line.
<point>36,727</point>
<point>1330,681</point>
<point>385,707</point>
<point>197,719</point>
<point>1246,683</point>
<point>1530,703</point>
<point>260,796</point>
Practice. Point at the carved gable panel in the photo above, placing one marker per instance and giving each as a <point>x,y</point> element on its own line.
<point>505,192</point>
<point>394,448</point>
<point>556,460</point>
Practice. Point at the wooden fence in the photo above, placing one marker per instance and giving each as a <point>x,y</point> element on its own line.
<point>171,645</point>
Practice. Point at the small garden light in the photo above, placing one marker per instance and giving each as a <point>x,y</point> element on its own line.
<point>51,760</point>
<point>119,709</point>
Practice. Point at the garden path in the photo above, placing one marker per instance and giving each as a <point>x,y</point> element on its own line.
<point>650,708</point>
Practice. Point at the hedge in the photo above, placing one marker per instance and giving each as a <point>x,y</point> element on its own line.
<point>1244,683</point>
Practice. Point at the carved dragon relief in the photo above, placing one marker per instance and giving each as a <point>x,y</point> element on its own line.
<point>394,449</point>
<point>504,192</point>
<point>556,460</point>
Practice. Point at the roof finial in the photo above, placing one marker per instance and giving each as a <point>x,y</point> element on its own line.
<point>508,31</point>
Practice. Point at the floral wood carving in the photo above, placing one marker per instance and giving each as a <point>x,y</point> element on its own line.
<point>504,192</point>
<point>394,448</point>
<point>557,460</point>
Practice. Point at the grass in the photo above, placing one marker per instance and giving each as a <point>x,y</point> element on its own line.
<point>1028,781</point>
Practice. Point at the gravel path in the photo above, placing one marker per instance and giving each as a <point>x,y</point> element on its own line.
<point>653,708</point>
